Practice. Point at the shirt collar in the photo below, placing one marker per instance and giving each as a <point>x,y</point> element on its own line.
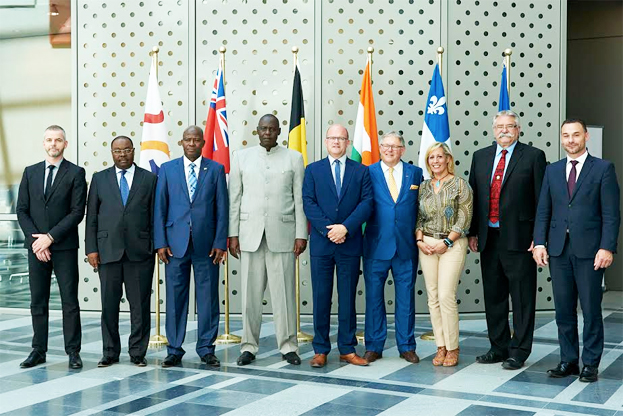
<point>509,149</point>
<point>341,159</point>
<point>580,159</point>
<point>397,168</point>
<point>129,170</point>
<point>57,164</point>
<point>187,162</point>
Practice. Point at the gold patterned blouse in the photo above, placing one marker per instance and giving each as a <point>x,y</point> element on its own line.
<point>447,211</point>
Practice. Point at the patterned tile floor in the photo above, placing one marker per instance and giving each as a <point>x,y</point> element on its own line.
<point>270,386</point>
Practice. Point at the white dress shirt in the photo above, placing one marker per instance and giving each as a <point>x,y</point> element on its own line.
<point>187,163</point>
<point>342,167</point>
<point>397,174</point>
<point>129,175</point>
<point>47,172</point>
<point>578,167</point>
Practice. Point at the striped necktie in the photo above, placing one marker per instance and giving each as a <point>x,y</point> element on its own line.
<point>192,181</point>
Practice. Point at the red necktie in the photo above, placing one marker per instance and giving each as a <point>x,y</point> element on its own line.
<point>496,187</point>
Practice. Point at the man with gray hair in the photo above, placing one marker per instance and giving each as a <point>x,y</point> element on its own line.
<point>506,179</point>
<point>50,205</point>
<point>389,244</point>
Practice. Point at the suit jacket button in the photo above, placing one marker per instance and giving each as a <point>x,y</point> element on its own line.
<point>335,209</point>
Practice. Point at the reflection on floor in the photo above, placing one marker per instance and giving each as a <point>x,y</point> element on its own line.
<point>270,386</point>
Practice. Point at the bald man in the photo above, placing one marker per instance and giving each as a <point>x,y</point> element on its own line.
<point>338,199</point>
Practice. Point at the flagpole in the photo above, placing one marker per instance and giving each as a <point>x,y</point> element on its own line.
<point>157,340</point>
<point>300,335</point>
<point>440,51</point>
<point>361,335</point>
<point>507,61</point>
<point>226,337</point>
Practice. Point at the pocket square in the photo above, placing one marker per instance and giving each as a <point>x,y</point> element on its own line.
<point>414,187</point>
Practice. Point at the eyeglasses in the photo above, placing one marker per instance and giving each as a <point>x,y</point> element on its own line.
<point>505,126</point>
<point>337,139</point>
<point>263,129</point>
<point>122,151</point>
<point>391,147</point>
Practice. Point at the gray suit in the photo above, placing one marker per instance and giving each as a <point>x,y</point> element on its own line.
<point>266,214</point>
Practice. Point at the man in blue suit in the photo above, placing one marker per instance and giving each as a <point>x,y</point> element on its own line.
<point>190,228</point>
<point>577,226</point>
<point>389,244</point>
<point>337,199</point>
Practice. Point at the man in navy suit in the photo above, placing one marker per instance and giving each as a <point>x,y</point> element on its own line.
<point>337,198</point>
<point>190,228</point>
<point>389,244</point>
<point>577,226</point>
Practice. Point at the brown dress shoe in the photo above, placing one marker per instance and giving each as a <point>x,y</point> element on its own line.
<point>410,356</point>
<point>353,359</point>
<point>372,356</point>
<point>319,361</point>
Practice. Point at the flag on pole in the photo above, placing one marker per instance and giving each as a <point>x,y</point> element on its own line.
<point>504,101</point>
<point>297,138</point>
<point>154,143</point>
<point>366,139</point>
<point>436,126</point>
<point>216,137</point>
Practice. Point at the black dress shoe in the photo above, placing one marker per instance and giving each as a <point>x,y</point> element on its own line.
<point>210,360</point>
<point>490,358</point>
<point>107,361</point>
<point>245,358</point>
<point>512,363</point>
<point>139,361</point>
<point>75,361</point>
<point>291,358</point>
<point>564,369</point>
<point>589,374</point>
<point>33,359</point>
<point>172,360</point>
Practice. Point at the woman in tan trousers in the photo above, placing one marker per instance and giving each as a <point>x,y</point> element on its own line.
<point>444,216</point>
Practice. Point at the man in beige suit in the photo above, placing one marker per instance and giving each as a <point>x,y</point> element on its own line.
<point>267,228</point>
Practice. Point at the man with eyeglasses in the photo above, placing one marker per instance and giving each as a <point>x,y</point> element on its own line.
<point>337,196</point>
<point>190,229</point>
<point>389,244</point>
<point>50,205</point>
<point>506,180</point>
<point>119,244</point>
<point>267,229</point>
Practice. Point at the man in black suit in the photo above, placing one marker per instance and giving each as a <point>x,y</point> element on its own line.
<point>119,243</point>
<point>506,179</point>
<point>50,205</point>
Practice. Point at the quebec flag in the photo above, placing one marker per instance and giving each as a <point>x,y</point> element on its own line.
<point>504,101</point>
<point>436,126</point>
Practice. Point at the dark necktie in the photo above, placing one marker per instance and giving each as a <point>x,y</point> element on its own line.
<point>572,178</point>
<point>124,188</point>
<point>496,187</point>
<point>338,177</point>
<point>48,182</point>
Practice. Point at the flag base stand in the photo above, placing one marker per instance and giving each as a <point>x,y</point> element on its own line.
<point>361,337</point>
<point>428,336</point>
<point>158,341</point>
<point>304,337</point>
<point>224,339</point>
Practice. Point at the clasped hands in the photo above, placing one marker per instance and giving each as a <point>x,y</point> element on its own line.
<point>41,247</point>
<point>337,233</point>
<point>438,248</point>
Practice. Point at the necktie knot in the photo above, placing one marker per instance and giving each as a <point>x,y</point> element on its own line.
<point>51,167</point>
<point>123,172</point>
<point>504,152</point>
<point>574,163</point>
<point>192,166</point>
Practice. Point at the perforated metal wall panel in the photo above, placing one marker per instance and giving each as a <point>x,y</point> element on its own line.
<point>114,40</point>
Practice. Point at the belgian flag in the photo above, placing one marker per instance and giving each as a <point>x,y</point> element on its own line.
<point>297,138</point>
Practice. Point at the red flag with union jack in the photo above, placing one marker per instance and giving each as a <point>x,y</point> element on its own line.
<point>216,136</point>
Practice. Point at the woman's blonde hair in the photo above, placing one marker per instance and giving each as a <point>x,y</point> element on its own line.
<point>446,151</point>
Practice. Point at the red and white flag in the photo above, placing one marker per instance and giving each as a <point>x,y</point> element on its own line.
<point>216,135</point>
<point>154,143</point>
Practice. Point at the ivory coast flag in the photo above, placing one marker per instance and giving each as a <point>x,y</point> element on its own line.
<point>297,138</point>
<point>366,139</point>
<point>154,143</point>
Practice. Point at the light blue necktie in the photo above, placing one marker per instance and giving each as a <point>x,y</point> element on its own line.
<point>192,181</point>
<point>124,188</point>
<point>338,177</point>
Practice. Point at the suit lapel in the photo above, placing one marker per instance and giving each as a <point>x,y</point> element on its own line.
<point>182,178</point>
<point>348,174</point>
<point>39,183</point>
<point>330,182</point>
<point>136,184</point>
<point>202,173</point>
<point>405,182</point>
<point>517,154</point>
<point>376,173</point>
<point>62,170</point>
<point>586,170</point>
<point>488,166</point>
<point>111,178</point>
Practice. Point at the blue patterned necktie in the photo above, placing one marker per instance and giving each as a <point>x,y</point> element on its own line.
<point>124,188</point>
<point>338,177</point>
<point>192,181</point>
